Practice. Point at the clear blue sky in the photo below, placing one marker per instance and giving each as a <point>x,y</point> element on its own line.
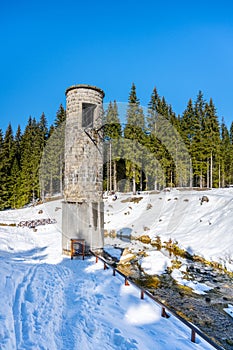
<point>180,47</point>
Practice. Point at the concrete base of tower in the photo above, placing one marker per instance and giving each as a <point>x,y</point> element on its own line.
<point>82,220</point>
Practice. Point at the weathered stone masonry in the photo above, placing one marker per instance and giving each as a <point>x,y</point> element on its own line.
<point>82,214</point>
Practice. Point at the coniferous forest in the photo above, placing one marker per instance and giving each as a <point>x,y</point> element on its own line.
<point>152,149</point>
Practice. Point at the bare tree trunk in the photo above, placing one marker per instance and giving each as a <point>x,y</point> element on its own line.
<point>201,179</point>
<point>107,175</point>
<point>114,176</point>
<point>141,180</point>
<point>51,185</point>
<point>190,173</point>
<point>110,167</point>
<point>42,190</point>
<point>211,171</point>
<point>61,184</point>
<point>134,183</point>
<point>219,175</point>
<point>146,183</point>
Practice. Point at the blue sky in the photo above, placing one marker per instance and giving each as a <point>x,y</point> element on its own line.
<point>180,47</point>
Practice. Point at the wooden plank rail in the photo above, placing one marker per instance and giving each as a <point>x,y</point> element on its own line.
<point>165,311</point>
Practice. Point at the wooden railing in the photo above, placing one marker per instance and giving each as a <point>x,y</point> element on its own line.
<point>165,311</point>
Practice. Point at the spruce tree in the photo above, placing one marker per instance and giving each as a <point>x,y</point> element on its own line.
<point>134,138</point>
<point>112,135</point>
<point>60,116</point>
<point>1,169</point>
<point>43,129</point>
<point>30,161</point>
<point>152,110</point>
<point>226,156</point>
<point>211,144</point>
<point>231,133</point>
<point>187,120</point>
<point>197,145</point>
<point>7,155</point>
<point>15,171</point>
<point>156,157</point>
<point>51,169</point>
<point>231,152</point>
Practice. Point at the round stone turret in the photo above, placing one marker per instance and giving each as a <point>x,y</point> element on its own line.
<point>82,216</point>
<point>83,143</point>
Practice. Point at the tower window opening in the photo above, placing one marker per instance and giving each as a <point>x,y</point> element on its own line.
<point>88,115</point>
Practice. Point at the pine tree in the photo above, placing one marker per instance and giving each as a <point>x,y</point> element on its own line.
<point>14,185</point>
<point>60,116</point>
<point>112,126</point>
<point>112,134</point>
<point>156,157</point>
<point>15,171</point>
<point>231,152</point>
<point>152,111</point>
<point>7,155</point>
<point>134,137</point>
<point>211,144</point>
<point>43,129</point>
<point>188,129</point>
<point>166,132</point>
<point>226,155</point>
<point>30,160</point>
<point>197,146</point>
<point>1,169</point>
<point>231,133</point>
<point>51,130</point>
<point>51,172</point>
<point>187,120</point>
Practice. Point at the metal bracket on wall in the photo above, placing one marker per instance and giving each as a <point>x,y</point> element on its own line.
<point>93,139</point>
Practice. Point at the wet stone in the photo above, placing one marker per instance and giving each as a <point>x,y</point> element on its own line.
<point>204,311</point>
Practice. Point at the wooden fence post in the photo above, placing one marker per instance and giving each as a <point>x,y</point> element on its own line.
<point>193,336</point>
<point>126,282</point>
<point>72,250</point>
<point>164,314</point>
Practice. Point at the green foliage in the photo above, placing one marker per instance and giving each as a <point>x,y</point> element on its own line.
<point>226,159</point>
<point>7,159</point>
<point>20,160</point>
<point>160,150</point>
<point>134,135</point>
<point>112,155</point>
<point>51,167</point>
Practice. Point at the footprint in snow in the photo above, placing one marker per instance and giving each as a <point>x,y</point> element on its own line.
<point>122,342</point>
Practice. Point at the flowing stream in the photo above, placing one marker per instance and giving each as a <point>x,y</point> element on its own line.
<point>205,311</point>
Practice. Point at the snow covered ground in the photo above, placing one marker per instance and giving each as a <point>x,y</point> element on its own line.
<point>203,229</point>
<point>51,302</point>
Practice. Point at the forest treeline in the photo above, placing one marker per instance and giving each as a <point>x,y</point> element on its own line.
<point>23,177</point>
<point>153,148</point>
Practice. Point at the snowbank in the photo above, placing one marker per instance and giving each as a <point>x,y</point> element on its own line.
<point>202,229</point>
<point>50,302</point>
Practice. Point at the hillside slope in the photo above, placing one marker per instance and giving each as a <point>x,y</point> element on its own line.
<point>204,229</point>
<point>50,302</point>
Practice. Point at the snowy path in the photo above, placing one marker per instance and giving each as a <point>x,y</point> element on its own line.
<point>50,302</point>
<point>78,305</point>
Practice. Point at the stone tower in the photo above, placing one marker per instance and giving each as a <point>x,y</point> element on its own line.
<point>82,211</point>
